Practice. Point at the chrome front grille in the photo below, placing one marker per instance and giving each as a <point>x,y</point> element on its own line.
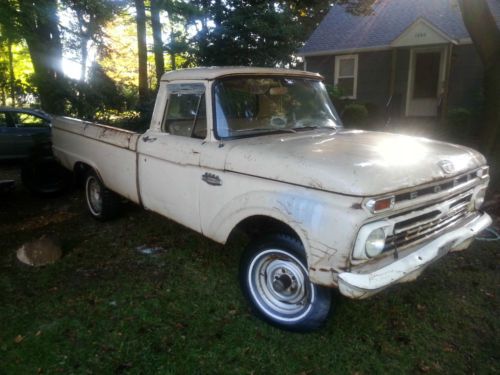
<point>418,226</point>
<point>435,188</point>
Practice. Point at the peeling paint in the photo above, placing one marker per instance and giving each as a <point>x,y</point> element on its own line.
<point>326,270</point>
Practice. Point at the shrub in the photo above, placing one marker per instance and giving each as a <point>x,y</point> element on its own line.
<point>459,117</point>
<point>336,96</point>
<point>458,121</point>
<point>354,114</point>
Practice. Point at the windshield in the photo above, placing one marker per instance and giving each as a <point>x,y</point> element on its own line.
<point>255,106</point>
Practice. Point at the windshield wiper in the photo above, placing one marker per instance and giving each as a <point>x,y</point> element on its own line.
<point>266,130</point>
<point>311,127</point>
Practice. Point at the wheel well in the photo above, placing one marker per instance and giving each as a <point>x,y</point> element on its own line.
<point>80,170</point>
<point>259,225</point>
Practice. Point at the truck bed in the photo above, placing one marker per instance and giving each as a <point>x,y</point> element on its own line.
<point>108,150</point>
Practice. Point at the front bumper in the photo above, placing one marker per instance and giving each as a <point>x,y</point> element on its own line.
<point>362,285</point>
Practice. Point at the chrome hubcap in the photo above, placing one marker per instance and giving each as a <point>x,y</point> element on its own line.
<point>94,195</point>
<point>280,286</point>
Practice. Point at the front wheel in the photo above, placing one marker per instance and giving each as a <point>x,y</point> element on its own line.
<point>274,278</point>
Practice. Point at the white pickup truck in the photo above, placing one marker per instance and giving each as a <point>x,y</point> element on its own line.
<point>263,151</point>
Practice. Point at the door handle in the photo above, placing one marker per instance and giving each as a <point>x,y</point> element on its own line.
<point>211,179</point>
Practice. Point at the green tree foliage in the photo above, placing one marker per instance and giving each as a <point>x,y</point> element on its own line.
<point>99,96</point>
<point>15,63</point>
<point>89,19</point>
<point>16,71</point>
<point>252,32</point>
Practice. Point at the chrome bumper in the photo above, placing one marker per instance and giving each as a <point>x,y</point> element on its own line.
<point>363,285</point>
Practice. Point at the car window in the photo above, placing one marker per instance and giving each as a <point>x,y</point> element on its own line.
<point>30,121</point>
<point>186,111</point>
<point>3,120</point>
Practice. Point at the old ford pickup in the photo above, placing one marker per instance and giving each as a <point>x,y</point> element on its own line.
<point>263,151</point>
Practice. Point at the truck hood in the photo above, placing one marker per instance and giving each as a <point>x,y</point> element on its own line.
<point>357,163</point>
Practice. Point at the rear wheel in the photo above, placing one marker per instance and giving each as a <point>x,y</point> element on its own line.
<point>102,203</point>
<point>274,278</point>
<point>44,176</point>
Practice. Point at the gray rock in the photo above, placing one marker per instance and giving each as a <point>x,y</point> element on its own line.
<point>40,252</point>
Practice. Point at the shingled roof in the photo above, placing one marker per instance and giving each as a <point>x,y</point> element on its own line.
<point>343,31</point>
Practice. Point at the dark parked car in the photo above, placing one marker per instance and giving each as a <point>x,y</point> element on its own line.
<point>21,130</point>
<point>25,134</point>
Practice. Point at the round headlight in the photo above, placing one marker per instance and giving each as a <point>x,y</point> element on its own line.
<point>479,199</point>
<point>375,243</point>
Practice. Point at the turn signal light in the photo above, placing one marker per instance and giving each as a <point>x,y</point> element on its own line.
<point>382,204</point>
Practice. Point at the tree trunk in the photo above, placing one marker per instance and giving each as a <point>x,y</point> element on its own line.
<point>84,40</point>
<point>485,35</point>
<point>41,32</point>
<point>12,77</point>
<point>84,52</point>
<point>143,53</point>
<point>3,98</point>
<point>172,52</point>
<point>157,40</point>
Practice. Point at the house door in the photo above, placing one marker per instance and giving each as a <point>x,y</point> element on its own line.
<point>425,81</point>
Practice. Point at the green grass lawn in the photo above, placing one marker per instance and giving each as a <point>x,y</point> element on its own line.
<point>106,308</point>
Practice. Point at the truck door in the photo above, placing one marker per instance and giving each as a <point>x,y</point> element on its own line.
<point>169,159</point>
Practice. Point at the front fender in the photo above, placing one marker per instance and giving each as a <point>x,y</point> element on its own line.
<point>254,204</point>
<point>320,219</point>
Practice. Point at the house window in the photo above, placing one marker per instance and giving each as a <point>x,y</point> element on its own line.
<point>346,75</point>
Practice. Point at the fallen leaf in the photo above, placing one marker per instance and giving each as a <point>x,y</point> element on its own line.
<point>18,339</point>
<point>448,348</point>
<point>423,367</point>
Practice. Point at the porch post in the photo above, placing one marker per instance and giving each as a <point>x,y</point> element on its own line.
<point>392,84</point>
<point>446,84</point>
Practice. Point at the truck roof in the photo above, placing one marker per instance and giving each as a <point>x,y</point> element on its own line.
<point>217,72</point>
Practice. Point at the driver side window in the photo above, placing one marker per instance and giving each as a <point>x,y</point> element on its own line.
<point>186,111</point>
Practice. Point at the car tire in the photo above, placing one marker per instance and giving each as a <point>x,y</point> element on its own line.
<point>44,176</point>
<point>274,279</point>
<point>102,203</point>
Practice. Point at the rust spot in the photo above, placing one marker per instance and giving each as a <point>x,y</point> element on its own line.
<point>356,206</point>
<point>312,268</point>
<point>326,270</point>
